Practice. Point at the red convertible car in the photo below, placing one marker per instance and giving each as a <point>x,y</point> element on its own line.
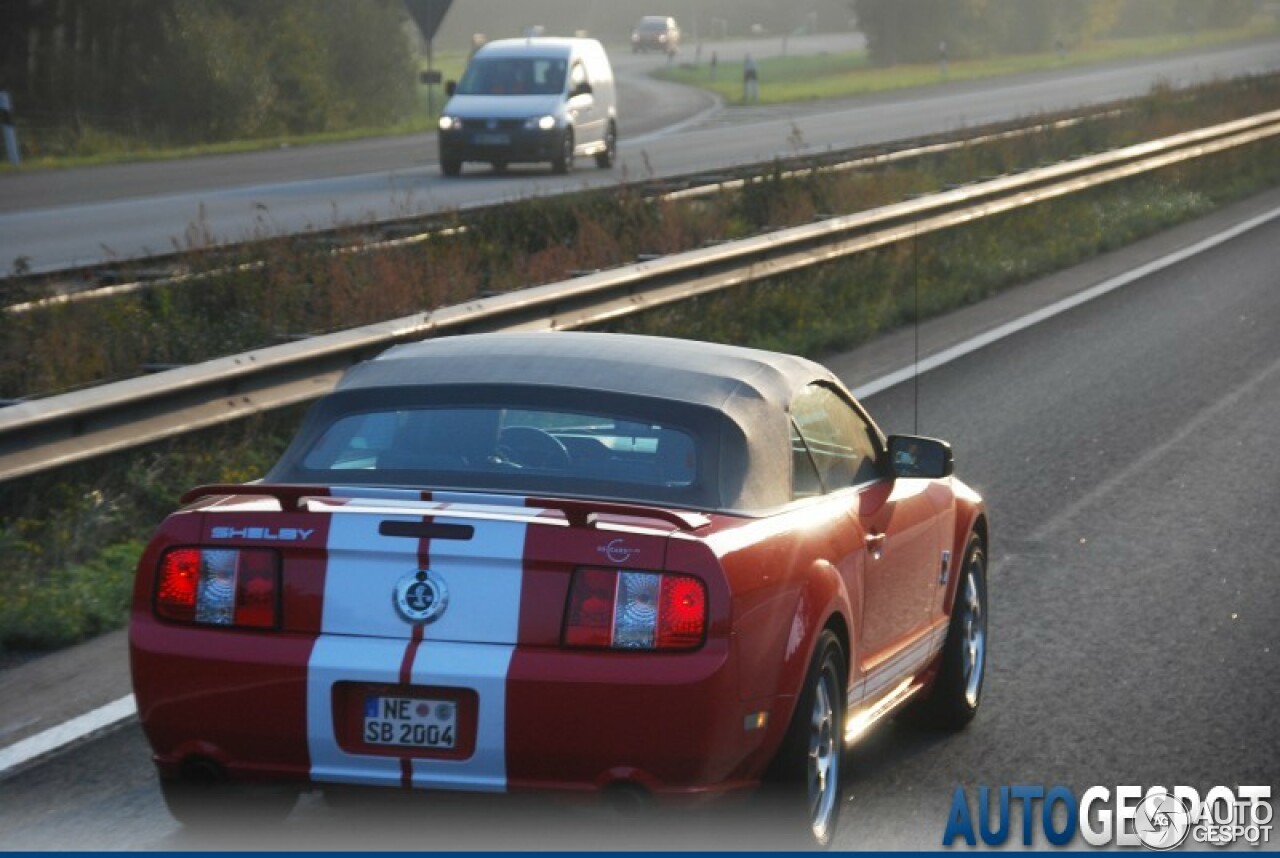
<point>486,563</point>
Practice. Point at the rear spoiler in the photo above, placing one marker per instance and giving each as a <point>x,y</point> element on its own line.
<point>579,513</point>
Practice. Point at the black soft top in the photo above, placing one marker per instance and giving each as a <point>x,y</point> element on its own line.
<point>736,399</point>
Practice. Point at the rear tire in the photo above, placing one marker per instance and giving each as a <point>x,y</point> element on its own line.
<point>804,779</point>
<point>450,167</point>
<point>962,669</point>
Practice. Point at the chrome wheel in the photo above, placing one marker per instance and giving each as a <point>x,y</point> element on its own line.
<point>962,666</point>
<point>803,781</point>
<point>824,759</point>
<point>974,631</point>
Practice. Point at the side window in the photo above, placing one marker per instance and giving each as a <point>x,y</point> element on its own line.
<point>577,77</point>
<point>838,439</point>
<point>804,475</point>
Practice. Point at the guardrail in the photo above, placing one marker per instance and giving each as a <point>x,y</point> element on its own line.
<point>60,430</point>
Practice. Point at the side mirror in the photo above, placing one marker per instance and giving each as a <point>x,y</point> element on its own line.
<point>583,88</point>
<point>920,458</point>
<point>450,87</point>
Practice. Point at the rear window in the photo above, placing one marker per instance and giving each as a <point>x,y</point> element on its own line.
<point>523,449</point>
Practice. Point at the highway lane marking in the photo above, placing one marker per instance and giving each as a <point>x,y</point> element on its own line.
<point>121,710</point>
<point>1208,415</point>
<point>66,733</point>
<point>701,116</point>
<point>1010,328</point>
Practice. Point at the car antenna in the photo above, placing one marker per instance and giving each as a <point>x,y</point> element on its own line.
<point>915,285</point>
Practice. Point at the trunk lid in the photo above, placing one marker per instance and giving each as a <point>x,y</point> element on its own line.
<point>459,567</point>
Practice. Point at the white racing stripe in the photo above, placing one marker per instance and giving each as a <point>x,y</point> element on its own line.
<point>909,662</point>
<point>364,639</point>
<point>482,667</point>
<point>339,492</point>
<point>338,658</point>
<point>119,710</point>
<point>486,574</point>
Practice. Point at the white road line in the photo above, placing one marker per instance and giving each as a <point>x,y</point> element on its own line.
<point>668,130</point>
<point>1034,318</point>
<point>113,713</point>
<point>64,734</point>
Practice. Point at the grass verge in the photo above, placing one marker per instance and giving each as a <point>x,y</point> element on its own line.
<point>826,76</point>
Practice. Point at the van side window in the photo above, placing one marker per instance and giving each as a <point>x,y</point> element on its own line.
<point>577,77</point>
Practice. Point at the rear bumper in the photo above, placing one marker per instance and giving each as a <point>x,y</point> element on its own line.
<point>270,707</point>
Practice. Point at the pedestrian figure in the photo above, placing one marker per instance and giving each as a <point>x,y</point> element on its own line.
<point>715,60</point>
<point>942,57</point>
<point>750,80</point>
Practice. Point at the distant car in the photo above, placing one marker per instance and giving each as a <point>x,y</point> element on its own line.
<point>530,100</point>
<point>562,562</point>
<point>655,33</point>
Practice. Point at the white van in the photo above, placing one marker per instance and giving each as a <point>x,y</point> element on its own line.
<point>538,99</point>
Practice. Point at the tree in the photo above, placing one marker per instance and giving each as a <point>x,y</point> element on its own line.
<point>181,71</point>
<point>1149,17</point>
<point>913,30</point>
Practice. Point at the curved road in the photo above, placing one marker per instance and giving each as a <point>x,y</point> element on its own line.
<point>54,219</point>
<point>1127,448</point>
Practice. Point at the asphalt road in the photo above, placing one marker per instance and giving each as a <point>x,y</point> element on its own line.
<point>55,219</point>
<point>1128,452</point>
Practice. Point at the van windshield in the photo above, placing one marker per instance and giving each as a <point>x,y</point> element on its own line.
<point>513,76</point>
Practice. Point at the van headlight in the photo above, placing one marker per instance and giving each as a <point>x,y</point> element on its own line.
<point>540,123</point>
<point>450,123</point>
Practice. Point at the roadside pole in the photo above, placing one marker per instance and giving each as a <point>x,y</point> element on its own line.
<point>10,132</point>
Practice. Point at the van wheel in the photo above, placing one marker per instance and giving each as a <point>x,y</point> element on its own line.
<point>450,167</point>
<point>563,162</point>
<point>605,159</point>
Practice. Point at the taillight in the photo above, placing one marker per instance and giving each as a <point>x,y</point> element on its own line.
<point>635,610</point>
<point>219,587</point>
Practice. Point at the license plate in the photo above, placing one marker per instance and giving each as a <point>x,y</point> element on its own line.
<point>492,139</point>
<point>410,722</point>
